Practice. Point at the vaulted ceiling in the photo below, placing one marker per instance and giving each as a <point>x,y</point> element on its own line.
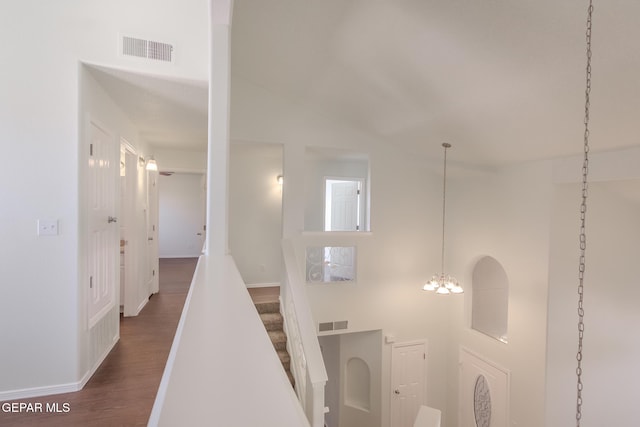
<point>503,81</point>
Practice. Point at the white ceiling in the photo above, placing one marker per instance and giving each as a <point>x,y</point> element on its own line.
<point>168,113</point>
<point>502,81</point>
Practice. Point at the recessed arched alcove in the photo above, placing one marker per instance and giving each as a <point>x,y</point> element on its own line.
<point>358,384</point>
<point>490,298</point>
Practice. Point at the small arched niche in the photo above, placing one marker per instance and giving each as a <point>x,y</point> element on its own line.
<point>358,384</point>
<point>490,299</point>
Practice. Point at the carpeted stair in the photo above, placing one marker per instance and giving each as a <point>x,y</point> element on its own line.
<point>273,322</point>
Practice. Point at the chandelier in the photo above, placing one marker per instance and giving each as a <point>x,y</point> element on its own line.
<point>443,284</point>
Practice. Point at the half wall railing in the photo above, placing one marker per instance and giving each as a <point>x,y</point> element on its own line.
<point>307,364</point>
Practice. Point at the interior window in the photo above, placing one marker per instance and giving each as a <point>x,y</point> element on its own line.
<point>337,190</point>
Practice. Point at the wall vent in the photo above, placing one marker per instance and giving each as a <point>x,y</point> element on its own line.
<point>342,324</point>
<point>332,326</point>
<point>326,326</point>
<point>149,49</point>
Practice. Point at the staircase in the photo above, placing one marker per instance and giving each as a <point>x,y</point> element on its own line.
<point>268,306</point>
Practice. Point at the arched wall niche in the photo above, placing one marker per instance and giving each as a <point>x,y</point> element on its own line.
<point>358,384</point>
<point>490,298</point>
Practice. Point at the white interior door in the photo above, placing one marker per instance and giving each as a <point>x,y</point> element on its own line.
<point>153,283</point>
<point>484,392</point>
<point>342,204</point>
<point>128,234</point>
<point>408,382</point>
<point>103,246</point>
<point>182,211</point>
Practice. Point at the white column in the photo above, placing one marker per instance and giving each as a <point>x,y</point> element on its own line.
<point>219,106</point>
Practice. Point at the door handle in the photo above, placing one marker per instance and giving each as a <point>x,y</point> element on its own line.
<point>396,391</point>
<point>150,238</point>
<point>112,219</point>
<point>199,234</point>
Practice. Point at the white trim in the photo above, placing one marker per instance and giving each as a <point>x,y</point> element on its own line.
<point>263,285</point>
<point>128,146</point>
<point>194,255</point>
<point>158,404</point>
<point>27,393</point>
<point>142,305</point>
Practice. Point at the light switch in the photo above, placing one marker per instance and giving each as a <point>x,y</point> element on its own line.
<point>47,227</point>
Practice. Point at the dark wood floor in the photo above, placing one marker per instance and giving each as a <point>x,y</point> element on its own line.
<point>266,294</point>
<point>123,389</point>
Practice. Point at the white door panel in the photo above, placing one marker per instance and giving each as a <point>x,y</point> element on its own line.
<point>484,392</point>
<point>408,382</point>
<point>103,256</point>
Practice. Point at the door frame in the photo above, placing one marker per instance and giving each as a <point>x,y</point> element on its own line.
<point>128,216</point>
<point>395,346</point>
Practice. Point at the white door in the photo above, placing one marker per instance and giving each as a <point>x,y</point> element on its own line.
<point>408,382</point>
<point>103,254</point>
<point>181,215</point>
<point>484,392</point>
<point>342,205</point>
<point>128,235</point>
<point>153,283</point>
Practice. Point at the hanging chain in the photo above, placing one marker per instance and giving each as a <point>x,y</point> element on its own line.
<point>583,213</point>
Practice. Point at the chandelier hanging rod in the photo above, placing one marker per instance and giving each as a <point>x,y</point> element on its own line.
<point>442,283</point>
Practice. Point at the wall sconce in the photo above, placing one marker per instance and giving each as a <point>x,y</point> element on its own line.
<point>280,179</point>
<point>151,164</point>
<point>141,161</point>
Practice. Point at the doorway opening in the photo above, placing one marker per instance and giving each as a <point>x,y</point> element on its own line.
<point>145,116</point>
<point>182,206</point>
<point>343,204</point>
<point>353,392</point>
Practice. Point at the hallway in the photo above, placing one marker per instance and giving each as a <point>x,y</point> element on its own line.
<point>123,389</point>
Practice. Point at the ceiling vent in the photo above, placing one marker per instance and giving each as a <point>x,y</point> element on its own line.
<point>149,49</point>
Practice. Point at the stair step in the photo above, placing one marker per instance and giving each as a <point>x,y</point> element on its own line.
<point>291,379</point>
<point>272,321</point>
<point>279,339</point>
<point>268,307</point>
<point>285,359</point>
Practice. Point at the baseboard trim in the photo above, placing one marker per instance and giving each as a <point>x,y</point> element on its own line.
<point>27,393</point>
<point>142,304</point>
<point>263,285</point>
<point>194,255</point>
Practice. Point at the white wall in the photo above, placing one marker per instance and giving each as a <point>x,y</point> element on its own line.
<point>367,347</point>
<point>504,214</point>
<point>40,122</point>
<point>98,105</point>
<point>181,215</point>
<point>255,211</point>
<point>330,347</point>
<point>170,160</point>
<point>317,168</point>
<point>611,350</point>
<point>507,214</point>
<point>394,259</point>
